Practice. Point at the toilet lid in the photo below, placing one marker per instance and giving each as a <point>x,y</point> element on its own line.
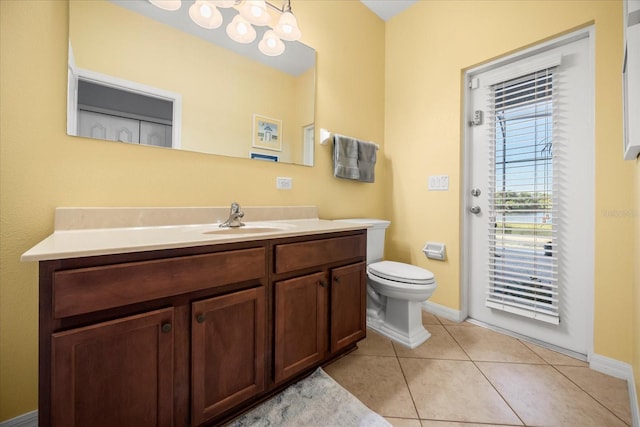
<point>401,272</point>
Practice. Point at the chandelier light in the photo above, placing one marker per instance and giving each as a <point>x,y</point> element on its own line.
<point>170,5</point>
<point>255,11</point>
<point>271,45</point>
<point>205,14</point>
<point>241,29</point>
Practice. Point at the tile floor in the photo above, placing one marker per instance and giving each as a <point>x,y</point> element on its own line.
<point>469,376</point>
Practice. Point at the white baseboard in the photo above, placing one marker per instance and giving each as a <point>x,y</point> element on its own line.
<point>30,419</point>
<point>621,370</point>
<point>442,311</point>
<point>633,396</point>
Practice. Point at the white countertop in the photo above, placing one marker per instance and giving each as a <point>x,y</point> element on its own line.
<point>76,240</point>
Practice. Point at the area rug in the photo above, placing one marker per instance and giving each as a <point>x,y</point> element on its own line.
<point>316,401</point>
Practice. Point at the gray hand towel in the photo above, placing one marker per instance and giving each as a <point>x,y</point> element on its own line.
<point>367,161</point>
<point>345,157</point>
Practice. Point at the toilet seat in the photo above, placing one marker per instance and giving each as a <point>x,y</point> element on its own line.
<point>401,272</point>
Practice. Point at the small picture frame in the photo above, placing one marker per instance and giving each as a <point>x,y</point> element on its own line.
<point>262,156</point>
<point>267,133</point>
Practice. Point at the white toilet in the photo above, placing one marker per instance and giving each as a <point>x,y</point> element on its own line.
<point>395,291</point>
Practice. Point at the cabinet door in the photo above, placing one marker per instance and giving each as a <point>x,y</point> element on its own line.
<point>348,305</point>
<point>117,373</point>
<point>301,324</point>
<point>228,350</point>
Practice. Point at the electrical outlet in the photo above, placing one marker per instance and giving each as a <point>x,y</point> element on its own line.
<point>439,182</point>
<point>284,183</point>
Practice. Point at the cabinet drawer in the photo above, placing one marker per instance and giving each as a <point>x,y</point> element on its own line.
<point>297,256</point>
<point>97,288</point>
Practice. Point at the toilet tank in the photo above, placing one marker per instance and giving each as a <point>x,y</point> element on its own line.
<point>375,237</point>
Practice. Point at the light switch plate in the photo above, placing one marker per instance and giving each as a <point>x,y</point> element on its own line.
<point>439,182</point>
<point>284,183</point>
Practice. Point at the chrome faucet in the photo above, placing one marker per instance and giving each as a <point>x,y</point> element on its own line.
<point>234,217</point>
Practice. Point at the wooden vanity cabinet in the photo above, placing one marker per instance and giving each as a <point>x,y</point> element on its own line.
<point>166,338</point>
<point>322,309</point>
<point>193,336</point>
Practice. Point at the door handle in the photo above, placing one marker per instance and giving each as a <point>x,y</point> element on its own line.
<point>475,209</point>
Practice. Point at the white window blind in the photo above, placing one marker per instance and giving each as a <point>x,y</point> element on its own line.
<point>523,254</point>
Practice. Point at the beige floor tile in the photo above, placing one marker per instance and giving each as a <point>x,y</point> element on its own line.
<point>430,423</point>
<point>403,422</point>
<point>429,319</point>
<point>375,345</point>
<point>439,346</point>
<point>482,344</point>
<point>611,392</point>
<point>542,396</point>
<point>377,382</point>
<point>553,357</point>
<point>456,391</point>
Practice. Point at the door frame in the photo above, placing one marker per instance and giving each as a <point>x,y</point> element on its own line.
<point>465,201</point>
<point>127,86</point>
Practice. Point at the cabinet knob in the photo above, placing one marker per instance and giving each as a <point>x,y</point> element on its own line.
<point>166,328</point>
<point>336,279</point>
<point>200,318</point>
<point>323,283</point>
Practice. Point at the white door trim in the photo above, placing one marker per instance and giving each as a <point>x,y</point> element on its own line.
<point>465,200</point>
<point>129,86</point>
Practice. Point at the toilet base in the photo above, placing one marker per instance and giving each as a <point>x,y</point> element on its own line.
<point>401,321</point>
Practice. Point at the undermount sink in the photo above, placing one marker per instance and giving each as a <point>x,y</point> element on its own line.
<point>251,229</point>
<point>243,230</point>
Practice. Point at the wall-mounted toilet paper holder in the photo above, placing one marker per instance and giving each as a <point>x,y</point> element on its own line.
<point>435,250</point>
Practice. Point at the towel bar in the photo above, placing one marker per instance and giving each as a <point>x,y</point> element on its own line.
<point>325,136</point>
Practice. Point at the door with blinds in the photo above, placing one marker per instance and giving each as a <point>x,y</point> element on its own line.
<point>530,204</point>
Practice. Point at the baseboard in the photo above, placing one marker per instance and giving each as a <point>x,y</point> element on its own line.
<point>633,395</point>
<point>30,419</point>
<point>621,370</point>
<point>442,311</point>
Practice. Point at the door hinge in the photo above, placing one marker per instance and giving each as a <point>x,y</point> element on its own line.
<point>474,83</point>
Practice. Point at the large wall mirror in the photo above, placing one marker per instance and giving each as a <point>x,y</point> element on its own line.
<point>140,74</point>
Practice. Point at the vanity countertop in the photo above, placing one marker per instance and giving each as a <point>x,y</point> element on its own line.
<point>81,232</point>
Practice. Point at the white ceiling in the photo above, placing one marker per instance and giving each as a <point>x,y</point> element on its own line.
<point>387,9</point>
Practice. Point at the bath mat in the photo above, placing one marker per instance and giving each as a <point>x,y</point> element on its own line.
<point>316,401</point>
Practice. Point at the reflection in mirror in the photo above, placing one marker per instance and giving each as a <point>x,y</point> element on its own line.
<point>136,75</point>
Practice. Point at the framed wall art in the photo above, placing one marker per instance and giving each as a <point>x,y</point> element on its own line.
<point>267,133</point>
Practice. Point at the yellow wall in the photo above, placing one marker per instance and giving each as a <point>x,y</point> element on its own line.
<point>428,48</point>
<point>42,168</point>
<point>216,116</point>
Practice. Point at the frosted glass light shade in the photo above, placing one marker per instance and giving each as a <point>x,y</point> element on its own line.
<point>167,4</point>
<point>271,45</point>
<point>224,3</point>
<point>287,28</point>
<point>205,14</point>
<point>255,11</point>
<point>240,30</point>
